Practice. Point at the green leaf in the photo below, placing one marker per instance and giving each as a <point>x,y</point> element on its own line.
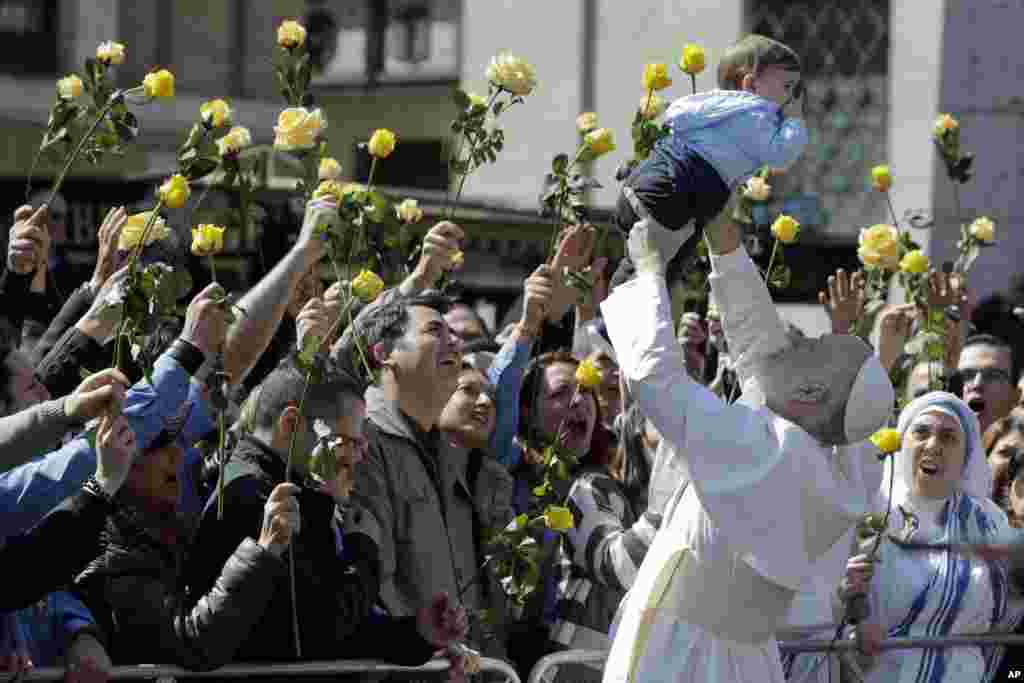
<point>461,98</point>
<point>780,276</point>
<point>200,168</point>
<point>560,164</point>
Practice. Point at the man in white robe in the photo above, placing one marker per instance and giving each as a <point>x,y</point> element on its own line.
<point>765,499</point>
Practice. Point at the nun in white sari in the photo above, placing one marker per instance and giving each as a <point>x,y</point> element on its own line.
<point>941,484</point>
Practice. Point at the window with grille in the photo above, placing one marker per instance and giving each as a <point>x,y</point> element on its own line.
<point>845,52</point>
<point>384,41</point>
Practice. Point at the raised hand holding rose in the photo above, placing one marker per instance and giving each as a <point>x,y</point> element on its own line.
<point>29,242</point>
<point>843,300</point>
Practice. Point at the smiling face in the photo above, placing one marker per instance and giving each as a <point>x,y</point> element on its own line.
<point>810,382</point>
<point>468,417</point>
<point>561,405</point>
<point>428,357</point>
<point>935,444</point>
<point>774,83</point>
<point>153,478</point>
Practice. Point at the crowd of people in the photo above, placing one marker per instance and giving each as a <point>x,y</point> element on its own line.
<point>726,489</point>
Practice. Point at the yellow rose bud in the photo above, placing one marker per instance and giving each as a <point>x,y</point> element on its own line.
<point>409,211</point>
<point>367,285</point>
<point>329,169</point>
<point>131,232</point>
<point>692,61</point>
<point>886,440</point>
<point>512,73</point>
<point>298,128</point>
<point>175,191</point>
<point>215,113</point>
<point>983,230</point>
<point>945,124</point>
<point>758,189</point>
<point>110,52</point>
<point>558,518</point>
<point>914,262</point>
<point>599,141</point>
<point>588,375</point>
<point>785,229</point>
<point>382,143</point>
<point>651,106</point>
<point>159,84</point>
<point>236,139</point>
<point>656,77</point>
<point>881,179</point>
<point>476,101</point>
<point>879,246</point>
<point>328,189</point>
<point>291,34</point>
<point>69,87</point>
<point>207,239</point>
<point>586,122</point>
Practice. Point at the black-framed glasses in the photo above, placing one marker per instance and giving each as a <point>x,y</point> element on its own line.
<point>986,375</point>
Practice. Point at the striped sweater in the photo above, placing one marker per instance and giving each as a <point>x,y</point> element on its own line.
<point>599,559</point>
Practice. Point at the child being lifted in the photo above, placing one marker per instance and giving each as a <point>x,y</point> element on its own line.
<point>720,139</point>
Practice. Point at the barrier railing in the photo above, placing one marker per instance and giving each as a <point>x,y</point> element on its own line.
<point>794,646</point>
<point>296,669</point>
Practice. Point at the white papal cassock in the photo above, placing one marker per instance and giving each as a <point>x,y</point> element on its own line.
<point>765,500</point>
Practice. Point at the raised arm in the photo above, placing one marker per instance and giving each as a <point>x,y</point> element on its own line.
<point>265,303</point>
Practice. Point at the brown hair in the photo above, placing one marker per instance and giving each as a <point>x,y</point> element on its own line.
<point>751,54</point>
<point>1014,422</point>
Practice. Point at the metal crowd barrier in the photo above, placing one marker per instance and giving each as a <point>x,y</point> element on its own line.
<point>557,659</point>
<point>297,669</point>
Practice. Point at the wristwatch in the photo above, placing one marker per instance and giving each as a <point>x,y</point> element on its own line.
<point>93,487</point>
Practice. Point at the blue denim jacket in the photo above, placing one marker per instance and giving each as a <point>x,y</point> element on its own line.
<point>506,374</point>
<point>737,132</point>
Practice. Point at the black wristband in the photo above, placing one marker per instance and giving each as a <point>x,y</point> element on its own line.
<point>92,487</point>
<point>186,353</point>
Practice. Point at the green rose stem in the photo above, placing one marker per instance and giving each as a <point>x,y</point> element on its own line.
<point>115,97</point>
<point>224,456</point>
<point>771,261</point>
<point>133,261</point>
<point>449,208</point>
<point>693,83</point>
<point>288,479</point>
<point>213,269</point>
<point>561,200</point>
<point>892,211</point>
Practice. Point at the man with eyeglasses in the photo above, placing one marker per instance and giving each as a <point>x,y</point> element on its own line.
<point>989,370</point>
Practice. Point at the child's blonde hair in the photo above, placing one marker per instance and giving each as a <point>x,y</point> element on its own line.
<point>751,54</point>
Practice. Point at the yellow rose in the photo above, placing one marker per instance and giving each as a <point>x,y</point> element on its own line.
<point>131,233</point>
<point>382,143</point>
<point>599,141</point>
<point>785,229</point>
<point>409,211</point>
<point>692,61</point>
<point>298,128</point>
<point>945,124</point>
<point>207,239</point>
<point>477,102</point>
<point>914,262</point>
<point>879,246</point>
<point>328,189</point>
<point>983,230</point>
<point>69,87</point>
<point>329,169</point>
<point>457,260</point>
<point>110,52</point>
<point>587,375</point>
<point>367,285</point>
<point>291,34</point>
<point>236,139</point>
<point>651,106</point>
<point>586,122</point>
<point>656,77</point>
<point>159,84</point>
<point>215,113</point>
<point>758,189</point>
<point>886,440</point>
<point>175,191</point>
<point>558,518</point>
<point>512,73</point>
<point>881,179</point>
